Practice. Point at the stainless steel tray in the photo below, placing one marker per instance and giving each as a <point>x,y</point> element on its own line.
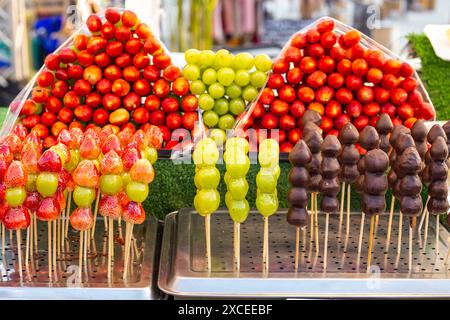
<point>35,283</point>
<point>183,272</point>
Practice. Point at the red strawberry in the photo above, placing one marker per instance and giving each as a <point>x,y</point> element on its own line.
<point>86,174</point>
<point>65,180</point>
<point>89,148</point>
<point>111,163</point>
<point>142,171</point>
<point>81,219</point>
<point>112,143</point>
<point>15,175</point>
<point>32,201</point>
<point>5,153</point>
<point>48,209</point>
<point>66,137</point>
<point>17,218</point>
<point>61,199</point>
<point>2,192</point>
<point>134,213</point>
<point>50,161</point>
<point>111,207</point>
<point>3,208</point>
<point>129,158</point>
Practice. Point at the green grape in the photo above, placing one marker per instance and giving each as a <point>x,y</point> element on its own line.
<point>237,106</point>
<point>84,197</point>
<point>243,61</point>
<point>197,181</point>
<point>228,199</point>
<point>208,178</point>
<point>266,182</point>
<point>237,164</point>
<point>209,76</point>
<point>110,184</point>
<point>126,178</point>
<point>31,182</point>
<point>233,91</point>
<point>258,79</point>
<point>269,147</point>
<point>239,210</point>
<point>206,102</point>
<point>137,191</point>
<point>249,93</point>
<point>197,87</point>
<point>227,178</point>
<point>207,201</point>
<point>225,76</point>
<point>242,78</point>
<point>226,122</point>
<point>263,62</point>
<point>74,160</point>
<point>191,56</point>
<point>151,154</point>
<point>238,188</point>
<point>267,204</point>
<point>223,59</point>
<point>47,184</point>
<point>218,135</point>
<point>206,153</point>
<point>221,106</point>
<point>191,72</point>
<point>237,144</point>
<point>216,90</point>
<point>210,118</point>
<point>15,197</point>
<point>206,58</point>
<point>277,171</point>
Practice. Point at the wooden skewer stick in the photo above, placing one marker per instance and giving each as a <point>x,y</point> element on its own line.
<point>19,251</point>
<point>297,246</point>
<point>361,233</point>
<point>341,211</point>
<point>325,246</point>
<point>126,254</point>
<point>27,248</point>
<point>370,248</point>
<point>49,255</point>
<point>237,246</point>
<point>316,223</point>
<point>31,238</point>
<point>110,245</point>
<point>448,251</point>
<point>54,244</point>
<point>95,214</point>
<point>424,213</point>
<point>105,222</point>
<point>69,204</point>
<point>35,233</point>
<point>410,244</point>
<point>208,241</point>
<point>59,233</point>
<point>3,239</point>
<point>349,190</point>
<point>86,242</point>
<point>266,244</point>
<point>427,220</point>
<point>311,233</point>
<point>437,234</point>
<point>80,255</point>
<point>400,231</point>
<point>391,217</point>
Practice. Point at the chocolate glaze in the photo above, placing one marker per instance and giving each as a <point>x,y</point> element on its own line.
<point>349,134</point>
<point>329,186</point>
<point>314,141</point>
<point>438,189</point>
<point>349,173</point>
<point>396,132</point>
<point>329,170</point>
<point>329,204</point>
<point>311,116</point>
<point>369,138</point>
<point>409,162</point>
<point>376,161</point>
<point>378,183</point>
<point>439,149</point>
<point>300,154</point>
<point>299,177</point>
<point>375,181</point>
<point>297,216</point>
<point>384,124</point>
<point>411,205</point>
<point>298,197</point>
<point>404,141</point>
<point>419,131</point>
<point>349,155</point>
<point>373,204</point>
<point>437,206</point>
<point>435,132</point>
<point>410,185</point>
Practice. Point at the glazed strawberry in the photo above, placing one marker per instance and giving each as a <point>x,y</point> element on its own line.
<point>66,137</point>
<point>20,131</point>
<point>32,138</point>
<point>112,143</point>
<point>30,157</point>
<point>130,157</point>
<point>3,209</point>
<point>17,218</point>
<point>111,163</point>
<point>134,213</point>
<point>15,175</point>
<point>111,207</point>
<point>50,161</point>
<point>86,174</point>
<point>32,201</point>
<point>65,180</point>
<point>61,199</point>
<point>82,219</point>
<point>140,138</point>
<point>48,209</point>
<point>2,192</point>
<point>89,148</point>
<point>142,171</point>
<point>14,143</point>
<point>154,136</point>
<point>5,153</point>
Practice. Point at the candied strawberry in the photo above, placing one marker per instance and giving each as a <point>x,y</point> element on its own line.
<point>81,219</point>
<point>140,138</point>
<point>3,167</point>
<point>86,174</point>
<point>124,137</point>
<point>110,207</point>
<point>2,192</point>
<point>5,153</point>
<point>15,175</point>
<point>17,218</point>
<point>142,171</point>
<point>65,180</point>
<point>32,201</point>
<point>14,143</point>
<point>61,199</point>
<point>30,158</point>
<point>77,135</point>
<point>111,163</point>
<point>50,161</point>
<point>89,148</point>
<point>134,213</point>
<point>48,209</point>
<point>3,208</point>
<point>33,138</point>
<point>123,199</point>
<point>112,143</point>
<point>129,158</point>
<point>66,137</point>
<point>155,136</point>
<point>20,130</point>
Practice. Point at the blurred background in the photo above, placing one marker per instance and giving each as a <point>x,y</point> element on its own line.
<point>30,29</point>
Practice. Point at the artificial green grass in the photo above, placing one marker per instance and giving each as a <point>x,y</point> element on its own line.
<point>435,74</point>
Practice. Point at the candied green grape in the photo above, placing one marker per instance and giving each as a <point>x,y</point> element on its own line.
<point>233,91</point>
<point>207,201</point>
<point>47,184</point>
<point>237,106</point>
<point>225,76</point>
<point>209,76</point>
<point>216,90</point>
<point>221,106</point>
<point>249,93</point>
<point>206,58</point>
<point>266,182</point>
<point>227,178</point>
<point>258,79</point>
<point>74,160</point>
<point>267,204</point>
<point>206,153</point>
<point>237,165</point>
<point>191,56</point>
<point>243,61</point>
<point>238,188</point>
<point>208,178</point>
<point>210,119</point>
<point>237,144</point>
<point>242,78</point>
<point>218,135</point>
<point>263,62</point>
<point>126,178</point>
<point>206,102</point>
<point>239,210</point>
<point>84,197</point>
<point>137,191</point>
<point>197,87</point>
<point>191,72</point>
<point>31,182</point>
<point>228,199</point>
<point>15,197</point>
<point>111,184</point>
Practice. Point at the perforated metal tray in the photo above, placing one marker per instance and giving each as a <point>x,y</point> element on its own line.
<point>35,283</point>
<point>183,271</point>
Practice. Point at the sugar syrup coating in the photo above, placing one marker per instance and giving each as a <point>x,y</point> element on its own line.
<point>329,170</point>
<point>369,138</point>
<point>300,155</point>
<point>311,116</point>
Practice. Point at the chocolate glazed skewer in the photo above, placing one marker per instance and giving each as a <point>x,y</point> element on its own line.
<point>369,140</point>
<point>299,157</point>
<point>348,158</point>
<point>329,185</point>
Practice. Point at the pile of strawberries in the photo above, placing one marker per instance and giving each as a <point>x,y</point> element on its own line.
<point>118,76</point>
<point>338,77</point>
